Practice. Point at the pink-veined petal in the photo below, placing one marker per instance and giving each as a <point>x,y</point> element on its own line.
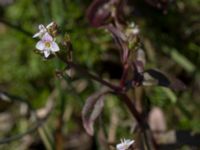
<point>40,45</point>
<point>47,37</point>
<point>54,47</point>
<point>46,53</point>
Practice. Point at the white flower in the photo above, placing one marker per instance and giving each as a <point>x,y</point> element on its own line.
<point>125,144</point>
<point>47,45</point>
<point>43,30</point>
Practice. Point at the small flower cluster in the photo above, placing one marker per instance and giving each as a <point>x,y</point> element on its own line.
<point>125,144</point>
<point>47,44</point>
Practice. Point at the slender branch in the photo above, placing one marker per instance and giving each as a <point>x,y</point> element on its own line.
<point>94,77</point>
<point>142,123</point>
<point>83,71</point>
<point>133,110</point>
<point>124,75</point>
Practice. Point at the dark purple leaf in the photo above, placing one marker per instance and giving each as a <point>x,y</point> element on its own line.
<point>159,77</point>
<point>92,109</point>
<point>120,39</point>
<point>98,13</point>
<point>154,77</point>
<point>120,7</point>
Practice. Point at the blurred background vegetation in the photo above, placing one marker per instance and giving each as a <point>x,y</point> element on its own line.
<point>170,35</point>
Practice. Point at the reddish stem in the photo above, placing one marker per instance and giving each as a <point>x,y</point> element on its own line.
<point>124,75</point>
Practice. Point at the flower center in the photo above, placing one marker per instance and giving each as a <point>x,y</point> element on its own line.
<point>47,44</point>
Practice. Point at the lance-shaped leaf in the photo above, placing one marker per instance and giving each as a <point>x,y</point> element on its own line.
<point>154,77</point>
<point>92,109</point>
<point>98,13</point>
<point>120,39</point>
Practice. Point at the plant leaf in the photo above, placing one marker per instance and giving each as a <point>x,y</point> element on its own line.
<point>92,109</point>
<point>98,14</point>
<point>155,77</point>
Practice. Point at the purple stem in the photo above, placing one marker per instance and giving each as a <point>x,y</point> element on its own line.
<point>92,76</point>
